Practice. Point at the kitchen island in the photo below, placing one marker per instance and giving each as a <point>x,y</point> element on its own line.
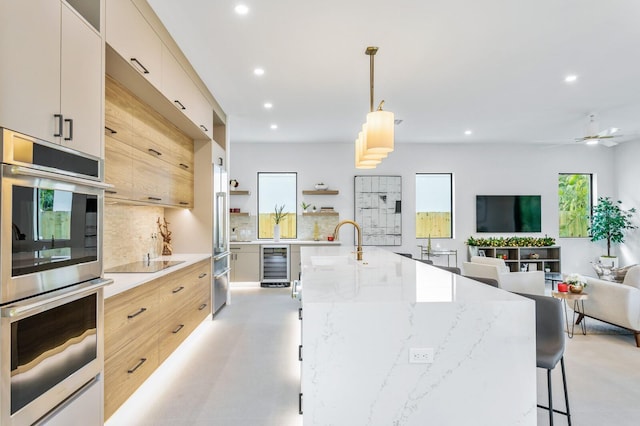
<point>392,341</point>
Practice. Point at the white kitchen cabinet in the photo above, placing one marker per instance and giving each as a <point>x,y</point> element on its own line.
<point>178,87</point>
<point>82,81</point>
<point>51,74</point>
<point>245,263</point>
<point>294,261</point>
<point>129,34</point>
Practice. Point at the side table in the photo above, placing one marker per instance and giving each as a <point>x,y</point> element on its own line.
<point>576,298</point>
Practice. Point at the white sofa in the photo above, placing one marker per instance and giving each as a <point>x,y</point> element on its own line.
<point>489,267</point>
<point>616,303</point>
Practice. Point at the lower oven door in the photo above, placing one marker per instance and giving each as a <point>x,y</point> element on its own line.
<point>51,347</point>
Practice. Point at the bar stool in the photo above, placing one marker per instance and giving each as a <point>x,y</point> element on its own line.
<point>550,345</point>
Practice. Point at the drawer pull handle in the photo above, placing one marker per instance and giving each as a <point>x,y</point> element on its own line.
<point>113,132</point>
<point>300,403</point>
<point>184,166</point>
<point>176,290</point>
<point>60,126</point>
<point>135,314</point>
<point>204,128</point>
<point>144,69</point>
<point>154,198</point>
<point>299,352</point>
<point>300,314</point>
<point>202,275</point>
<point>153,151</point>
<point>182,107</point>
<point>138,365</point>
<point>178,328</point>
<point>201,307</point>
<point>110,191</point>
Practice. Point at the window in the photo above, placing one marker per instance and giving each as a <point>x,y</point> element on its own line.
<point>434,205</point>
<point>574,204</point>
<point>274,191</point>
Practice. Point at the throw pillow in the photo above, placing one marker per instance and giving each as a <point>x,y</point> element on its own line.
<point>619,274</point>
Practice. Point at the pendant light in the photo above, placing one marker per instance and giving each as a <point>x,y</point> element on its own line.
<point>377,139</point>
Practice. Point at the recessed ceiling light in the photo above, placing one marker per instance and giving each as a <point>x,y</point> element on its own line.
<point>258,71</point>
<point>241,9</point>
<point>268,105</point>
<point>570,78</point>
<point>274,126</point>
<point>467,132</point>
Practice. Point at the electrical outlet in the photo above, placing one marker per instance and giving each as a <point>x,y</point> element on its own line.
<point>420,355</point>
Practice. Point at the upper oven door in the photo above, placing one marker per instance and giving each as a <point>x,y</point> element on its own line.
<point>51,231</point>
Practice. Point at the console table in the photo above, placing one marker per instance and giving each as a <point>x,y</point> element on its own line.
<point>424,251</point>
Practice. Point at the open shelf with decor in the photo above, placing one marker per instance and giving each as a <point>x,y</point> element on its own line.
<point>537,258</point>
<point>239,214</point>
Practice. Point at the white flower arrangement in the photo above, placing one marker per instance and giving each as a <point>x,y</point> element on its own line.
<point>576,279</point>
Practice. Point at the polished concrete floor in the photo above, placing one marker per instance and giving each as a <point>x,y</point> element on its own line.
<point>241,369</point>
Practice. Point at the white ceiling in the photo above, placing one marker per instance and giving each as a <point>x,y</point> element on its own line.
<point>496,67</point>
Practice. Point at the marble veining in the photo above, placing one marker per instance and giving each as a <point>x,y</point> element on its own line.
<point>362,318</point>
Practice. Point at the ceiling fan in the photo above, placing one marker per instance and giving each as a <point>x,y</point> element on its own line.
<point>593,136</point>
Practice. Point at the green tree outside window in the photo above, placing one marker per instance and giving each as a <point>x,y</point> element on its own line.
<point>574,205</point>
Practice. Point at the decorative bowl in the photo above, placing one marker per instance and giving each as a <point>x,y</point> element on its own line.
<point>577,289</point>
<point>320,186</point>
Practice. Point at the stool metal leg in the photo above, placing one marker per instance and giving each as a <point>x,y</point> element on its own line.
<point>550,398</point>
<point>566,395</point>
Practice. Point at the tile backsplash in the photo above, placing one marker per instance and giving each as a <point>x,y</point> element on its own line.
<point>245,227</point>
<point>127,233</point>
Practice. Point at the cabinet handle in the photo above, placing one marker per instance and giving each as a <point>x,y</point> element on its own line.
<point>204,128</point>
<point>177,290</point>
<point>300,314</point>
<point>183,203</point>
<point>178,328</point>
<point>70,121</point>
<point>299,352</point>
<point>138,365</point>
<point>135,314</point>
<point>110,191</point>
<point>113,132</point>
<point>59,117</point>
<point>184,166</point>
<point>153,151</point>
<point>182,107</point>
<point>201,307</point>
<point>154,198</point>
<point>144,69</point>
<point>202,275</point>
<point>300,403</point>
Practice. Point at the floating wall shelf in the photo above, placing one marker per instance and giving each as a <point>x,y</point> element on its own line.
<point>321,192</point>
<point>320,214</point>
<point>239,214</point>
<point>240,193</point>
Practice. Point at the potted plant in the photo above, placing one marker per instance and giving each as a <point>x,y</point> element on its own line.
<point>576,283</point>
<point>278,217</point>
<point>305,206</point>
<point>609,221</point>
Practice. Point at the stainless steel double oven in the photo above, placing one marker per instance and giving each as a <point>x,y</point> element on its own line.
<point>51,276</point>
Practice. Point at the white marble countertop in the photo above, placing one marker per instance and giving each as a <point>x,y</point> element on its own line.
<point>293,242</point>
<point>332,275</point>
<point>126,281</point>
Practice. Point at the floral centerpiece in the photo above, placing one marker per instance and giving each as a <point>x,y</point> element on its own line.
<point>576,282</point>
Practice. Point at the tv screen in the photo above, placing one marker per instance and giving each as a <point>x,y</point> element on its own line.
<point>508,213</point>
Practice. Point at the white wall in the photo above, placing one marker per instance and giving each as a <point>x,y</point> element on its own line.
<point>627,175</point>
<point>477,169</point>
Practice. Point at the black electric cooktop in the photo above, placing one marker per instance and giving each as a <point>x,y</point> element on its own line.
<point>143,266</point>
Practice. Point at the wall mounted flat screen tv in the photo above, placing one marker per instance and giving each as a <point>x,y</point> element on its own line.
<point>508,213</point>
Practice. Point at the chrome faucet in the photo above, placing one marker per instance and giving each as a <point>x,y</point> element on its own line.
<point>359,248</point>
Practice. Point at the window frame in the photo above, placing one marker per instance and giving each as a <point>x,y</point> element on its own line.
<point>451,204</point>
<point>293,212</point>
<point>590,202</point>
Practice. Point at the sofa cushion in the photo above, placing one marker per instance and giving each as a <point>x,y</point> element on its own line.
<point>632,277</point>
<point>493,261</point>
